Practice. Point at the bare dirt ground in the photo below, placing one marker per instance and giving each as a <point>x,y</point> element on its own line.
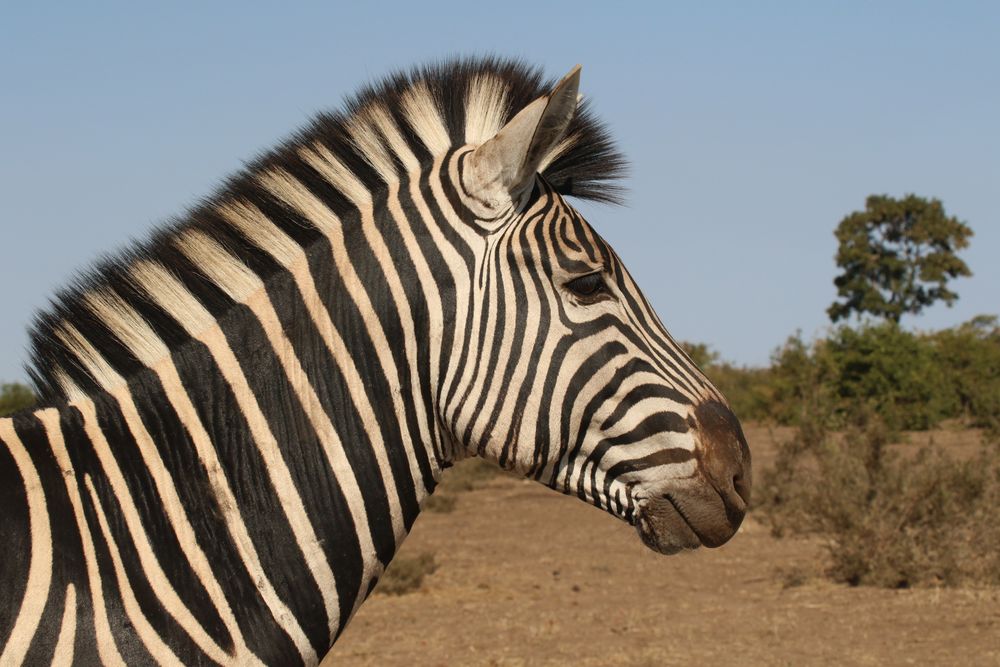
<point>528,577</point>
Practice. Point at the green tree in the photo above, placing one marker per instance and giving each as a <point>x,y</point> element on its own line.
<point>14,397</point>
<point>896,257</point>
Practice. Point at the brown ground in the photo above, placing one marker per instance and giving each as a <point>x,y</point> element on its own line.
<point>529,577</point>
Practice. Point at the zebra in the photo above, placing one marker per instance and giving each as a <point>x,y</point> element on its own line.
<point>241,416</point>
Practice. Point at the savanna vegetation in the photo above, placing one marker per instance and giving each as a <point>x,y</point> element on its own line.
<point>887,519</point>
<point>910,380</point>
<point>13,397</point>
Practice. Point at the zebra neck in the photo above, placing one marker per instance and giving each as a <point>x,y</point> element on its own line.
<point>310,440</point>
<point>259,478</point>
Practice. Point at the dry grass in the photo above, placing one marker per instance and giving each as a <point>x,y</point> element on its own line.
<point>528,576</point>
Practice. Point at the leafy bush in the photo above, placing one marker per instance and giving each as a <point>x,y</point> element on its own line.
<point>747,389</point>
<point>893,371</point>
<point>801,381</point>
<point>467,475</point>
<point>888,520</point>
<point>14,397</point>
<point>913,381</point>
<point>969,356</point>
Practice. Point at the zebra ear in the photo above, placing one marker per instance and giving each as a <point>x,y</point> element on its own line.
<point>506,164</point>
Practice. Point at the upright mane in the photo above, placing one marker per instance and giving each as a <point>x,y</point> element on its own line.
<point>432,108</point>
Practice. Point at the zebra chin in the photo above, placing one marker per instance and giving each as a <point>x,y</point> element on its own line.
<point>687,517</point>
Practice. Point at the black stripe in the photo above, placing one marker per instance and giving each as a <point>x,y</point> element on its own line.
<point>157,527</point>
<point>222,419</point>
<point>586,370</point>
<point>358,448</point>
<point>15,541</point>
<point>640,393</point>
<point>651,426</point>
<point>190,481</point>
<point>252,487</point>
<point>417,307</point>
<point>122,447</point>
<point>85,463</point>
<point>317,485</point>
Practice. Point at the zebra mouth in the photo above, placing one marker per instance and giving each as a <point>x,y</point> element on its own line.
<point>664,528</point>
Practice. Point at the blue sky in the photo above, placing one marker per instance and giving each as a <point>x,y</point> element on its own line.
<point>752,129</point>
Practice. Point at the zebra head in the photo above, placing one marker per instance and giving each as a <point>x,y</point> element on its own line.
<point>576,382</point>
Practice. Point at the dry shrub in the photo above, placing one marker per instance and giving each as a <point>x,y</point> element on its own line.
<point>406,574</point>
<point>888,519</point>
<point>440,503</point>
<point>468,475</point>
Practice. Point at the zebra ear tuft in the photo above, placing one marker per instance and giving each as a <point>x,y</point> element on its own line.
<point>507,163</point>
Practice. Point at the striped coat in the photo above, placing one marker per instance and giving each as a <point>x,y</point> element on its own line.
<point>242,415</point>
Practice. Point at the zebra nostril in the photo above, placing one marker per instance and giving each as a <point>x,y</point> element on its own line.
<point>742,491</point>
<point>741,487</point>
<point>725,456</point>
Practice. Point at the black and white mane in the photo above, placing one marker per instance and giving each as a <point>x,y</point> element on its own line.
<point>585,165</point>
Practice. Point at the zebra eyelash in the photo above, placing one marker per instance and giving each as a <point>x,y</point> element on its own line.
<point>590,288</point>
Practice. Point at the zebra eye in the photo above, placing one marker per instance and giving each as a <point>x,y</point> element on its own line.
<point>588,287</point>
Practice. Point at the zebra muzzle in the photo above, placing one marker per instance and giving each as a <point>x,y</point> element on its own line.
<point>707,508</point>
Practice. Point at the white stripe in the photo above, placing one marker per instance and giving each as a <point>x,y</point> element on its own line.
<point>363,128</point>
<point>92,360</point>
<point>226,502</point>
<point>333,170</point>
<point>486,106</point>
<point>170,294</point>
<point>159,582</point>
<point>260,230</point>
<point>127,325</point>
<point>147,635</point>
<point>69,387</point>
<point>455,268</point>
<point>228,273</point>
<point>63,656</point>
<point>432,298</point>
<point>295,194</point>
<point>173,297</point>
<point>424,116</point>
<point>383,121</point>
<point>341,177</point>
<point>509,417</point>
<point>231,275</point>
<point>463,297</point>
<point>142,341</point>
<point>36,590</point>
<point>106,648</point>
<point>564,145</point>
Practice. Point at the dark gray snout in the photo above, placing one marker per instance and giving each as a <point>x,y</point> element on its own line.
<point>724,460</point>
